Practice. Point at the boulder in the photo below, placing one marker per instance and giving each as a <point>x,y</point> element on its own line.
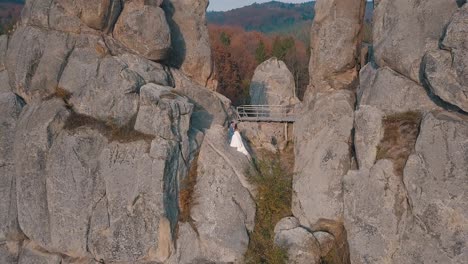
<point>101,87</point>
<point>301,245</point>
<point>38,125</point>
<point>404,30</point>
<point>143,29</point>
<point>445,69</point>
<point>223,209</point>
<point>191,51</point>
<point>335,42</point>
<point>273,84</point>
<point>322,149</point>
<point>376,211</point>
<point>436,176</point>
<point>368,134</point>
<point>10,107</point>
<point>163,113</point>
<point>392,93</point>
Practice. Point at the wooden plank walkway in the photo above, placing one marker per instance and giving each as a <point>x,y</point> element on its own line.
<point>266,113</point>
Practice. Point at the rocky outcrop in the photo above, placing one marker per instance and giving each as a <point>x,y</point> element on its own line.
<point>405,203</point>
<point>96,140</point>
<point>405,30</point>
<point>336,33</point>
<point>415,213</point>
<point>142,27</point>
<point>191,50</point>
<point>323,130</point>
<point>445,69</point>
<point>273,84</point>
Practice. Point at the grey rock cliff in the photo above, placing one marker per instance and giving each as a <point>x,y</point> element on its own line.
<point>96,138</point>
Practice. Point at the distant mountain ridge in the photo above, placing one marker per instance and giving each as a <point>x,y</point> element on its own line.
<point>270,17</point>
<point>266,17</point>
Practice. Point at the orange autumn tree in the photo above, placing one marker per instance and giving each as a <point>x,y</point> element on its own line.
<point>237,54</point>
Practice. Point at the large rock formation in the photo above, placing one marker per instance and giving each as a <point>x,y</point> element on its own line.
<point>402,200</point>
<point>405,204</point>
<point>97,140</point>
<point>191,50</point>
<point>323,131</point>
<point>273,84</point>
<point>335,42</point>
<point>404,30</point>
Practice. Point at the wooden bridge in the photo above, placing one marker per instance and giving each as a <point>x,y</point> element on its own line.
<point>266,113</point>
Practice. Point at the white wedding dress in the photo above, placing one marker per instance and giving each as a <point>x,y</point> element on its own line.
<point>238,143</point>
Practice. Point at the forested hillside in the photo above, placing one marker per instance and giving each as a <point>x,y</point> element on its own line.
<point>238,52</point>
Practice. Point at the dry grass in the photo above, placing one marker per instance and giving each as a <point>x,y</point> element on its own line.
<point>401,132</point>
<point>108,129</point>
<point>274,184</point>
<point>186,193</point>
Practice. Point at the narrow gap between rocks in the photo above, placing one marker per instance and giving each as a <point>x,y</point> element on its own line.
<point>273,179</point>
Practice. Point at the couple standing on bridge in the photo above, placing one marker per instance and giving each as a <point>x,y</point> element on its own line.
<point>235,139</point>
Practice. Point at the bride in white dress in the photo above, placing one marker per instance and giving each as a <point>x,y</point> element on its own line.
<point>238,143</point>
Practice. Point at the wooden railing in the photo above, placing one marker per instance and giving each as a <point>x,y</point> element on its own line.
<point>266,113</point>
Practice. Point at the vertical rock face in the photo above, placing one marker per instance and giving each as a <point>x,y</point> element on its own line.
<point>404,204</point>
<point>445,69</point>
<point>273,84</point>
<point>414,213</point>
<point>405,30</point>
<point>335,40</point>
<point>96,140</point>
<point>435,176</point>
<point>323,132</point>
<point>323,157</point>
<point>191,50</point>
